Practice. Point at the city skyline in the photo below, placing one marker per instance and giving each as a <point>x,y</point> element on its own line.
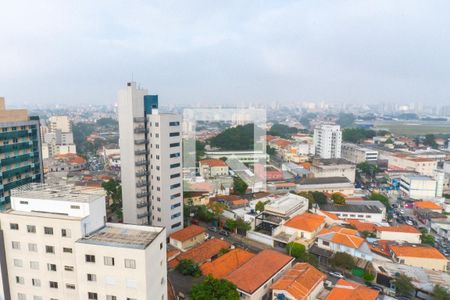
<point>222,54</point>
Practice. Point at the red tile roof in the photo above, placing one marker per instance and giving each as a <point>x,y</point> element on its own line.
<point>258,270</point>
<point>427,204</point>
<point>351,290</point>
<point>306,222</point>
<point>227,263</point>
<point>400,228</point>
<point>187,233</point>
<point>419,251</point>
<point>213,162</point>
<point>362,226</point>
<point>344,236</point>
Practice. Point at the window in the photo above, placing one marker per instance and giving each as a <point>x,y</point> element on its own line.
<point>91,277</point>
<point>67,250</point>
<point>31,229</point>
<point>174,175</point>
<point>177,154</point>
<point>175,215</point>
<point>326,243</point>
<point>69,268</point>
<point>34,265</point>
<point>130,263</point>
<point>174,186</point>
<point>20,280</point>
<point>48,230</point>
<point>174,123</point>
<point>109,297</point>
<point>175,165</point>
<point>24,202</point>
<point>50,249</point>
<point>174,134</point>
<point>51,267</point>
<point>174,145</point>
<point>65,233</point>
<point>18,263</point>
<point>32,247</point>
<point>174,196</point>
<point>15,245</point>
<point>109,261</point>
<point>175,205</point>
<point>90,258</point>
<point>176,225</point>
<point>13,226</point>
<point>92,296</point>
<point>70,286</point>
<point>36,282</point>
<point>75,207</point>
<point>53,284</point>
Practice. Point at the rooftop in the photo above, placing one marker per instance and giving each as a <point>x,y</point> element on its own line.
<point>418,177</point>
<point>362,226</point>
<point>324,180</point>
<point>258,270</point>
<point>331,162</point>
<point>350,208</point>
<point>419,251</point>
<point>300,280</point>
<point>213,162</point>
<point>427,204</point>
<point>400,228</point>
<point>343,236</point>
<point>187,233</point>
<point>125,236</point>
<point>351,290</point>
<point>307,222</point>
<point>202,252</point>
<point>226,263</point>
<point>61,192</point>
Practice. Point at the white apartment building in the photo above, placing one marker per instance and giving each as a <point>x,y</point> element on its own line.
<point>151,161</point>
<point>419,187</point>
<point>328,140</point>
<point>357,154</point>
<point>58,137</point>
<point>62,123</point>
<point>57,245</point>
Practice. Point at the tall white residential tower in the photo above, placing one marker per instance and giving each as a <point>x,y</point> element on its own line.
<point>327,141</point>
<point>151,162</point>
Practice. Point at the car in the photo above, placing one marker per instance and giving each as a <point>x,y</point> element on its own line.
<point>336,274</point>
<point>409,222</point>
<point>402,211</point>
<point>328,284</point>
<point>213,229</point>
<point>377,288</point>
<point>224,233</point>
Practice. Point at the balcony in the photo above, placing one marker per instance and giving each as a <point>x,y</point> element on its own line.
<point>140,152</point>
<point>140,163</point>
<point>141,204</point>
<point>142,194</point>
<point>140,130</point>
<point>141,173</point>
<point>140,142</point>
<point>142,215</point>
<point>139,119</point>
<point>141,183</point>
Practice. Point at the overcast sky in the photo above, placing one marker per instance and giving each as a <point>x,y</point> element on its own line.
<point>211,52</point>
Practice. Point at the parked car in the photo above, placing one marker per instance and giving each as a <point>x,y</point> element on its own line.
<point>336,274</point>
<point>409,222</point>
<point>224,233</point>
<point>213,229</point>
<point>328,284</point>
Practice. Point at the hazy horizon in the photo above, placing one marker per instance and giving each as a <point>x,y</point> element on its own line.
<point>210,53</point>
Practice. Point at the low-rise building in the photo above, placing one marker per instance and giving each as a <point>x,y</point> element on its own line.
<point>418,187</point>
<point>213,168</point>
<point>254,278</point>
<point>227,263</point>
<point>326,185</point>
<point>333,167</point>
<point>301,282</point>
<point>419,256</point>
<point>351,290</point>
<point>367,213</point>
<point>358,154</point>
<point>433,206</point>
<point>403,233</point>
<point>305,226</point>
<point>188,237</point>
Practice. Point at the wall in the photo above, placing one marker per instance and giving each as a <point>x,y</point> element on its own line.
<point>400,236</point>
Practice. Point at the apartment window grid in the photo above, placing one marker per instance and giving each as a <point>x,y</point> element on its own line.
<point>109,261</point>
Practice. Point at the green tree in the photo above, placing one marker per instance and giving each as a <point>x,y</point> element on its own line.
<point>368,277</point>
<point>217,209</point>
<point>309,196</point>
<point>260,206</point>
<point>239,185</point>
<point>430,140</point>
<point>346,120</point>
<point>319,197</point>
<point>223,251</point>
<point>440,293</point>
<point>380,197</point>
<point>282,130</point>
<point>357,135</point>
<point>203,213</point>
<point>295,249</point>
<point>427,239</point>
<point>404,285</point>
<point>211,288</point>
<point>188,267</point>
<point>338,198</point>
<point>368,169</point>
<point>231,225</point>
<point>242,225</point>
<point>270,150</point>
<point>236,138</point>
<point>107,122</point>
<point>342,260</point>
<point>113,191</point>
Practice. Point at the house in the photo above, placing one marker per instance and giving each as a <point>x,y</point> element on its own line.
<point>403,233</point>
<point>301,282</point>
<point>213,168</point>
<point>305,226</point>
<point>188,237</point>
<point>351,290</point>
<point>366,213</point>
<point>231,201</point>
<point>419,256</point>
<point>427,216</point>
<point>433,206</point>
<point>201,253</point>
<point>227,263</point>
<point>254,278</point>
<point>341,239</point>
<point>362,226</point>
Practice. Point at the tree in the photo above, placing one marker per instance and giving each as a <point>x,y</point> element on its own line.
<point>217,209</point>
<point>282,130</point>
<point>368,169</point>
<point>368,277</point>
<point>188,267</point>
<point>295,249</point>
<point>242,225</point>
<point>427,239</point>
<point>239,185</point>
<point>342,260</point>
<point>357,135</point>
<point>309,196</point>
<point>114,193</point>
<point>430,140</point>
<point>260,206</point>
<point>346,120</point>
<point>440,293</point>
<point>223,251</point>
<point>380,197</point>
<point>319,197</point>
<point>403,285</point>
<point>236,138</point>
<point>211,288</point>
<point>231,225</point>
<point>338,198</point>
<point>203,214</point>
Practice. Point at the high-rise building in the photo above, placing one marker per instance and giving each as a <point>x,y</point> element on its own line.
<point>328,140</point>
<point>20,150</point>
<point>151,162</point>
<point>57,245</point>
<point>58,138</point>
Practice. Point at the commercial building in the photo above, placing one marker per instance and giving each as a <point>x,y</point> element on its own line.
<point>57,245</point>
<point>365,212</point>
<point>358,154</point>
<point>327,141</point>
<point>418,187</point>
<point>151,162</point>
<point>326,185</point>
<point>245,157</point>
<point>20,151</point>
<point>333,167</point>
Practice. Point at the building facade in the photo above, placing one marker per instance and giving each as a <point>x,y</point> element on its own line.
<point>357,154</point>
<point>20,151</point>
<point>151,160</point>
<point>327,141</point>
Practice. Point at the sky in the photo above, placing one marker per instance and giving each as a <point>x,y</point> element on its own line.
<point>226,52</point>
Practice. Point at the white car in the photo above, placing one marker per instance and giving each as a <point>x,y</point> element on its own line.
<point>402,211</point>
<point>336,274</point>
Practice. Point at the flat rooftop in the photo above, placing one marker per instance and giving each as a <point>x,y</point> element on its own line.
<point>61,192</point>
<point>324,180</point>
<point>351,208</point>
<point>418,177</point>
<point>331,162</point>
<point>285,202</point>
<point>124,236</point>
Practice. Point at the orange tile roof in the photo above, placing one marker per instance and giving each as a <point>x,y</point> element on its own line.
<point>282,143</point>
<point>213,162</point>
<point>306,222</point>
<point>351,290</point>
<point>187,233</point>
<point>344,236</point>
<point>400,228</point>
<point>417,251</point>
<point>254,273</point>
<point>362,226</point>
<point>427,204</point>
<point>330,215</point>
<point>300,280</point>
<point>227,263</point>
<point>202,252</point>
